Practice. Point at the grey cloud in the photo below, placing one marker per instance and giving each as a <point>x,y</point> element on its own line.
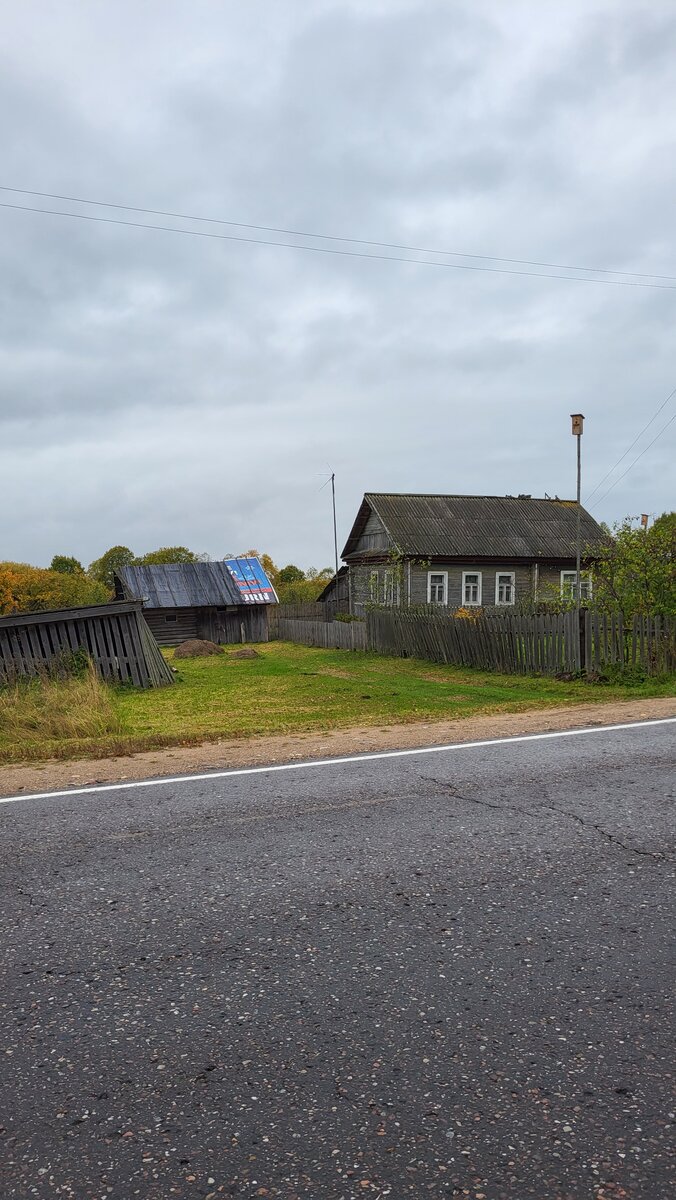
<point>156,388</point>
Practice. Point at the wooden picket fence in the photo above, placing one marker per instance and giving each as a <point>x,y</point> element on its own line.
<point>545,644</point>
<point>330,635</point>
<point>514,644</point>
<point>644,641</point>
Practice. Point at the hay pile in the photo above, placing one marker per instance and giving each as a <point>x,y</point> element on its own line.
<point>197,648</point>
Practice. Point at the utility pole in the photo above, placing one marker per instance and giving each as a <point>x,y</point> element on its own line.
<point>332,480</point>
<point>577,423</point>
<point>335,529</point>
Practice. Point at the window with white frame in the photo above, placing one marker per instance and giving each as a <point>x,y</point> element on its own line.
<point>504,587</point>
<point>471,587</point>
<point>568,579</point>
<point>437,587</point>
<point>373,587</point>
<point>388,588</point>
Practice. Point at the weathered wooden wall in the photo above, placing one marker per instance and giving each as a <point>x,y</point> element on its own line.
<point>313,610</point>
<point>412,579</point>
<point>523,581</point>
<point>247,623</point>
<point>170,627</point>
<point>114,636</point>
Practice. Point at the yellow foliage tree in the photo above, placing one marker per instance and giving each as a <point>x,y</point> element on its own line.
<point>34,589</point>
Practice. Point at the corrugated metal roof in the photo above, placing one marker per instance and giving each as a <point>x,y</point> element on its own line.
<point>180,585</point>
<point>478,526</point>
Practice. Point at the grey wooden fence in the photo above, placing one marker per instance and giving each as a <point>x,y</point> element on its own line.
<point>513,644</point>
<point>644,641</point>
<point>546,644</point>
<point>114,636</point>
<point>311,610</point>
<point>331,635</point>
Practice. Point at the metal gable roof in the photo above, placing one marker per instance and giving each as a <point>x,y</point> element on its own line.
<point>180,585</point>
<point>478,526</point>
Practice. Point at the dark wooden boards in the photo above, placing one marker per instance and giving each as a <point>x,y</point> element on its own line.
<point>114,636</point>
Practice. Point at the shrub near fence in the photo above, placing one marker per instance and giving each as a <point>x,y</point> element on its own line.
<point>645,642</point>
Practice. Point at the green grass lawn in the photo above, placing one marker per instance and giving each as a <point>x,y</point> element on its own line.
<point>293,689</point>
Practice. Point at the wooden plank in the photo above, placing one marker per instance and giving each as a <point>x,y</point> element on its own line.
<point>118,655</point>
<point>69,614</point>
<point>137,666</point>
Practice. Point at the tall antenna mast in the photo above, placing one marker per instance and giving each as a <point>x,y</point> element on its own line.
<point>335,531</point>
<point>332,480</point>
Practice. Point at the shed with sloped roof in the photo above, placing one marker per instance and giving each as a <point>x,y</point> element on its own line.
<point>224,602</point>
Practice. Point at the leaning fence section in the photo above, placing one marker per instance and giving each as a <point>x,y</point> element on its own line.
<point>511,644</point>
<point>114,636</point>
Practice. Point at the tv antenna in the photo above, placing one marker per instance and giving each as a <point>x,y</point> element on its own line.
<point>332,480</point>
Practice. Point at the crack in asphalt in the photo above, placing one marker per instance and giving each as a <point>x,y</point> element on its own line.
<point>656,855</point>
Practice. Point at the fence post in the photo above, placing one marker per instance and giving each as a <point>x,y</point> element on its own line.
<point>582,615</point>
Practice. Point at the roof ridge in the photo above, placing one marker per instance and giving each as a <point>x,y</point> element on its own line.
<point>471,496</point>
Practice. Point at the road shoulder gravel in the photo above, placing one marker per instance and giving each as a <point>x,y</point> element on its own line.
<point>262,751</point>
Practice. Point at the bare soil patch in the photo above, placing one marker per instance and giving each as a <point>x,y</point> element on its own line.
<point>264,751</point>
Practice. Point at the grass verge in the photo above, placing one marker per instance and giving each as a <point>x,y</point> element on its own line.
<point>288,689</point>
<point>38,713</point>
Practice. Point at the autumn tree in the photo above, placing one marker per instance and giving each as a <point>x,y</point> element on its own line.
<point>66,565</point>
<point>169,554</point>
<point>304,590</point>
<point>103,569</point>
<point>290,574</point>
<point>24,588</point>
<point>636,571</point>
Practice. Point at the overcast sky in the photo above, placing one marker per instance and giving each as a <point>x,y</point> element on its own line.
<point>159,389</point>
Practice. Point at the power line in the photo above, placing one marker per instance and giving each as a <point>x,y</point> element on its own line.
<point>424,262</point>
<point>159,212</point>
<point>633,464</point>
<point>636,439</point>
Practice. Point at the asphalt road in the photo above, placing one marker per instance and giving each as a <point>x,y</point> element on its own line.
<point>442,975</point>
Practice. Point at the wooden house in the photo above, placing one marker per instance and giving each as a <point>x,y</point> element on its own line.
<point>223,602</point>
<point>464,551</point>
<point>336,594</point>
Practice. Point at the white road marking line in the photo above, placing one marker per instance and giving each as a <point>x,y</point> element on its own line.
<point>331,762</point>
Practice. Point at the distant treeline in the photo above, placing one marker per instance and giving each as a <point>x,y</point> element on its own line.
<point>66,583</point>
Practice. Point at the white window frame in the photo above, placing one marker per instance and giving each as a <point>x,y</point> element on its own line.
<point>374,585</point>
<point>443,575</point>
<point>568,584</point>
<point>472,603</point>
<point>511,575</point>
<point>388,588</point>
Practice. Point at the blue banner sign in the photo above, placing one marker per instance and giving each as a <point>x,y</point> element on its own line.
<point>251,581</point>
